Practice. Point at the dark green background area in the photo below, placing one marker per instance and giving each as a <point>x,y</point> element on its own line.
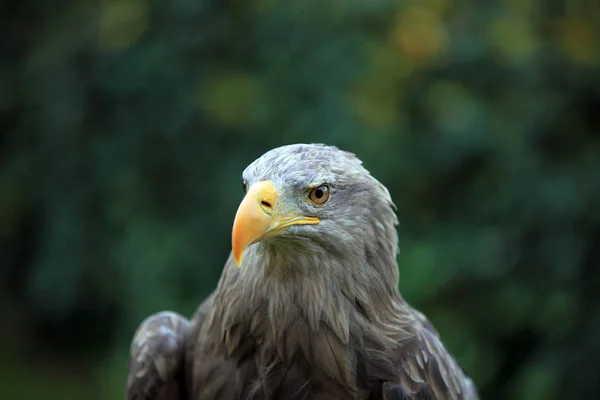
<point>125,126</point>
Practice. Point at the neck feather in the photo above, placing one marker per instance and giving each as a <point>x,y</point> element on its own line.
<point>316,298</point>
<point>277,287</point>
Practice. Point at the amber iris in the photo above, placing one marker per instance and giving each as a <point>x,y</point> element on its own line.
<point>319,195</point>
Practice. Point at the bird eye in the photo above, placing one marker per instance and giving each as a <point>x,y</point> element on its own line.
<point>319,195</point>
<point>245,186</point>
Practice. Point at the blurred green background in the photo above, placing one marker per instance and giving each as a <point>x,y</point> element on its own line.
<point>126,126</point>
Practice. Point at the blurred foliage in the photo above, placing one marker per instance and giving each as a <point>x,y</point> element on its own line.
<point>126,125</point>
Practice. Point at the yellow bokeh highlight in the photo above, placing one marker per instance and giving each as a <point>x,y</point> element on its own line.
<point>578,39</point>
<point>513,39</point>
<point>419,34</point>
<point>437,7</point>
<point>121,23</point>
<point>375,98</point>
<point>375,106</point>
<point>235,98</point>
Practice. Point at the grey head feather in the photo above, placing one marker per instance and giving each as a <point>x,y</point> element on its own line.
<point>358,207</point>
<point>321,270</point>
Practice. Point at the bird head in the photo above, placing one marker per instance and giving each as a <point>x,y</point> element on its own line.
<point>312,196</point>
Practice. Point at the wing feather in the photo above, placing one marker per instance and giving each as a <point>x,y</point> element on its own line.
<point>426,370</point>
<point>156,358</point>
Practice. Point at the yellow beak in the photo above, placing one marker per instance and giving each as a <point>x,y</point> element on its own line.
<point>259,217</point>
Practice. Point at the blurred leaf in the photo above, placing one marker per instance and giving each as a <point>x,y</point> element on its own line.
<point>421,271</point>
<point>453,108</point>
<point>538,381</point>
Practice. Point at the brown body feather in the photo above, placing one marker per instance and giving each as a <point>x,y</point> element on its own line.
<point>306,317</point>
<point>247,359</point>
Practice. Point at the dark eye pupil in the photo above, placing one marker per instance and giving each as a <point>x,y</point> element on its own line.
<point>319,193</point>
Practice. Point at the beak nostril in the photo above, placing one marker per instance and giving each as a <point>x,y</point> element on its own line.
<point>266,204</point>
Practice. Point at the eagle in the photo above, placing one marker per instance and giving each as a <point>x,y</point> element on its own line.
<point>308,304</point>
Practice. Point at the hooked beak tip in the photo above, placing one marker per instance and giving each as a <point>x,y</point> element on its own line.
<point>252,220</point>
